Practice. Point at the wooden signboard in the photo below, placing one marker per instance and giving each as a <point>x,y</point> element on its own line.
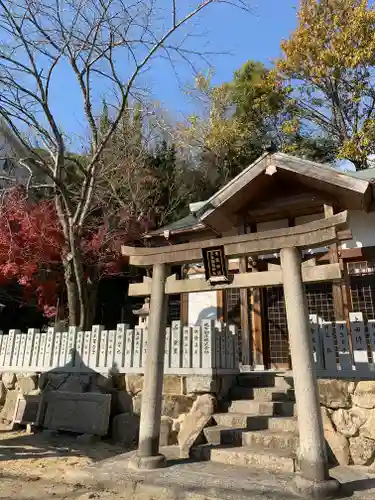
<point>215,265</point>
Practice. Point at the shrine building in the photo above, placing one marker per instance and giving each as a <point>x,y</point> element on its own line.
<point>279,191</point>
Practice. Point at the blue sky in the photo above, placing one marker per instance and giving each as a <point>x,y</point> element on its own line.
<point>233,34</point>
<point>238,37</point>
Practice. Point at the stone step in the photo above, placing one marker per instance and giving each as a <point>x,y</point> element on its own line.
<point>252,407</point>
<point>251,422</point>
<point>275,461</point>
<point>284,381</point>
<point>281,380</point>
<point>254,379</point>
<point>262,393</point>
<point>218,435</point>
<point>271,440</point>
<point>283,424</point>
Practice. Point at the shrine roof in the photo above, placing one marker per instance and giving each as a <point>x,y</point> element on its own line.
<point>353,190</point>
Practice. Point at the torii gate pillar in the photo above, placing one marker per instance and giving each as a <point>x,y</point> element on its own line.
<point>313,480</point>
<point>148,456</point>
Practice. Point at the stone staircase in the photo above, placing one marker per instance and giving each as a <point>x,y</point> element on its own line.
<point>258,426</point>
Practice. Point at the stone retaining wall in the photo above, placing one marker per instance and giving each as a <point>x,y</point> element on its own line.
<point>348,407</point>
<point>348,411</point>
<point>182,396</point>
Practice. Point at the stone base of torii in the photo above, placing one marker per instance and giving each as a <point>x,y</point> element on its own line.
<point>313,480</point>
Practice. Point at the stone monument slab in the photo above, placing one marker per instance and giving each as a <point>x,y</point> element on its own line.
<point>84,413</point>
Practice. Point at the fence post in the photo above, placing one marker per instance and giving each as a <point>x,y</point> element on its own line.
<point>345,358</point>
<point>120,345</point>
<point>208,344</point>
<point>186,347</point>
<point>197,347</point>
<point>330,361</point>
<point>359,341</point>
<point>176,344</point>
<point>317,341</point>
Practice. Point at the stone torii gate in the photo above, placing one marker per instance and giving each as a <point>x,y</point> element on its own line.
<point>314,477</point>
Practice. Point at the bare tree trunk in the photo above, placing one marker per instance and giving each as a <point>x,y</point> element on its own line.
<point>93,296</point>
<point>71,293</point>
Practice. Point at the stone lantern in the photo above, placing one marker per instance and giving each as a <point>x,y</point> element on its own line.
<point>143,313</point>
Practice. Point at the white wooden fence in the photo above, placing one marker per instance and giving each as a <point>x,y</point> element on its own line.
<point>341,353</point>
<point>209,348</point>
<point>206,349</point>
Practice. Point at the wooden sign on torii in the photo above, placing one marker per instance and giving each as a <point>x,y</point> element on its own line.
<point>292,274</point>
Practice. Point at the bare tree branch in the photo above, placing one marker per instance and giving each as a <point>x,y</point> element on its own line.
<point>106,46</point>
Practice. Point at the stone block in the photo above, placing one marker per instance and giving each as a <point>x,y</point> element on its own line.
<point>348,422</point>
<point>173,384</point>
<point>368,429</point>
<point>27,374</point>
<point>28,408</point>
<point>9,380</point>
<point>194,422</point>
<point>27,384</point>
<point>122,402</point>
<point>172,405</point>
<point>362,450</point>
<point>334,393</point>
<point>125,429</point>
<point>364,394</point>
<point>337,444</point>
<point>86,413</point>
<point>201,384</point>
<point>351,386</point>
<point>134,384</point>
<point>165,431</point>
<point>7,412</point>
<point>3,393</point>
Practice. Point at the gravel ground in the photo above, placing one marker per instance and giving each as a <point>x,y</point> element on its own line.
<point>35,466</point>
<point>37,489</point>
